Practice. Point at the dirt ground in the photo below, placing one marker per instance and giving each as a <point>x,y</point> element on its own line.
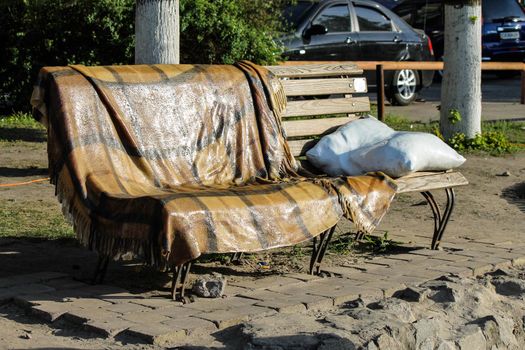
<point>492,205</point>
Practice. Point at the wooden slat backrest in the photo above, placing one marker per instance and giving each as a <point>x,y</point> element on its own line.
<point>322,81</point>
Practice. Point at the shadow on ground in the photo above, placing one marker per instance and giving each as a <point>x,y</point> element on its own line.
<point>515,195</point>
<point>16,172</point>
<point>23,134</point>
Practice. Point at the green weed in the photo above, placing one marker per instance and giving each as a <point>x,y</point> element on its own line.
<point>454,116</point>
<point>380,244</point>
<point>19,120</point>
<point>492,142</point>
<point>343,245</point>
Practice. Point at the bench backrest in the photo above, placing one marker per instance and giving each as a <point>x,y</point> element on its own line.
<point>320,99</point>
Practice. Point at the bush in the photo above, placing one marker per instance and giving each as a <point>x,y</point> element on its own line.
<point>36,33</point>
<point>493,142</point>
<point>224,31</point>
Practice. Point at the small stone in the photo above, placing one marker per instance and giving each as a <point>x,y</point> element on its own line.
<point>509,286</point>
<point>210,286</point>
<point>499,272</point>
<point>505,173</point>
<point>25,336</point>
<point>472,338</point>
<point>401,309</point>
<point>443,291</point>
<point>411,294</point>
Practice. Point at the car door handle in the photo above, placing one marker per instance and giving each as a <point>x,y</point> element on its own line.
<point>349,40</point>
<point>397,39</point>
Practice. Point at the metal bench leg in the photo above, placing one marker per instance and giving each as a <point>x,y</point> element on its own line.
<point>440,220</point>
<point>100,270</point>
<point>179,281</point>
<point>236,258</point>
<point>320,244</point>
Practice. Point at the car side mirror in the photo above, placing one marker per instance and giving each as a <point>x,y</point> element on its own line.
<point>315,29</point>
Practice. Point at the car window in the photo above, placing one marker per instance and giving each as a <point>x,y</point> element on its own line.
<point>496,11</point>
<point>335,18</point>
<point>371,20</point>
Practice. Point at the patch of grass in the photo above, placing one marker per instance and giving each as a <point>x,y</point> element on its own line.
<point>33,220</point>
<point>346,244</point>
<point>343,244</point>
<point>21,127</point>
<point>497,137</point>
<point>19,120</point>
<point>515,131</point>
<point>380,244</point>
<point>491,142</point>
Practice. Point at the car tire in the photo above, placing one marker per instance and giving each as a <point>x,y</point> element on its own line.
<point>404,87</point>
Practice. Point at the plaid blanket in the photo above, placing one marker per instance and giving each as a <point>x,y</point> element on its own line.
<point>174,161</point>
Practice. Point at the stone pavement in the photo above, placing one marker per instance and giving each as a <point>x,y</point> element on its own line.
<point>113,312</point>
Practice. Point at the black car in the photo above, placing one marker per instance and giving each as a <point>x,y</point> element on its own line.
<point>503,31</point>
<point>358,30</point>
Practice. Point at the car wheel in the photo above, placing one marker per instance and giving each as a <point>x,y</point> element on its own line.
<point>403,90</point>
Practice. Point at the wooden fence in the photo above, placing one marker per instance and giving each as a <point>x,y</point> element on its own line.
<point>381,66</point>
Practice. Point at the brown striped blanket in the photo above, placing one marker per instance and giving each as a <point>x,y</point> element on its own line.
<point>175,161</point>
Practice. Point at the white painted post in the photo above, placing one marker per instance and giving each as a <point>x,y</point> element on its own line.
<point>461,86</point>
<point>157,31</point>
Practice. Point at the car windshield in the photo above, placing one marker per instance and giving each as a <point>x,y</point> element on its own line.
<point>294,14</point>
<point>501,10</point>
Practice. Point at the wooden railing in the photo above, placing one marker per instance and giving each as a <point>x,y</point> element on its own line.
<point>381,66</point>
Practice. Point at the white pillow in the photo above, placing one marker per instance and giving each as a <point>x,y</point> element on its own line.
<point>367,145</point>
<point>403,153</point>
<point>327,153</point>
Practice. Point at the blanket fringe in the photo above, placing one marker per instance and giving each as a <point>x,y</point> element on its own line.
<point>107,242</point>
<point>350,210</point>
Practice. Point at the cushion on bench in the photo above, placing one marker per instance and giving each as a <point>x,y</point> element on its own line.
<point>174,161</point>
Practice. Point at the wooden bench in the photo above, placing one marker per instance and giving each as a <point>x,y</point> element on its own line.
<point>320,99</point>
<point>329,90</point>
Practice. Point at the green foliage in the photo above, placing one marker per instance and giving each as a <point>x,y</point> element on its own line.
<point>297,251</point>
<point>380,244</point>
<point>513,130</point>
<point>37,33</point>
<point>473,19</point>
<point>343,244</point>
<point>496,138</point>
<point>19,120</point>
<point>493,142</point>
<point>454,116</point>
<point>224,31</point>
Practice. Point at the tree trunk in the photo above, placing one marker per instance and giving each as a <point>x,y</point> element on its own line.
<point>157,31</point>
<point>461,86</point>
